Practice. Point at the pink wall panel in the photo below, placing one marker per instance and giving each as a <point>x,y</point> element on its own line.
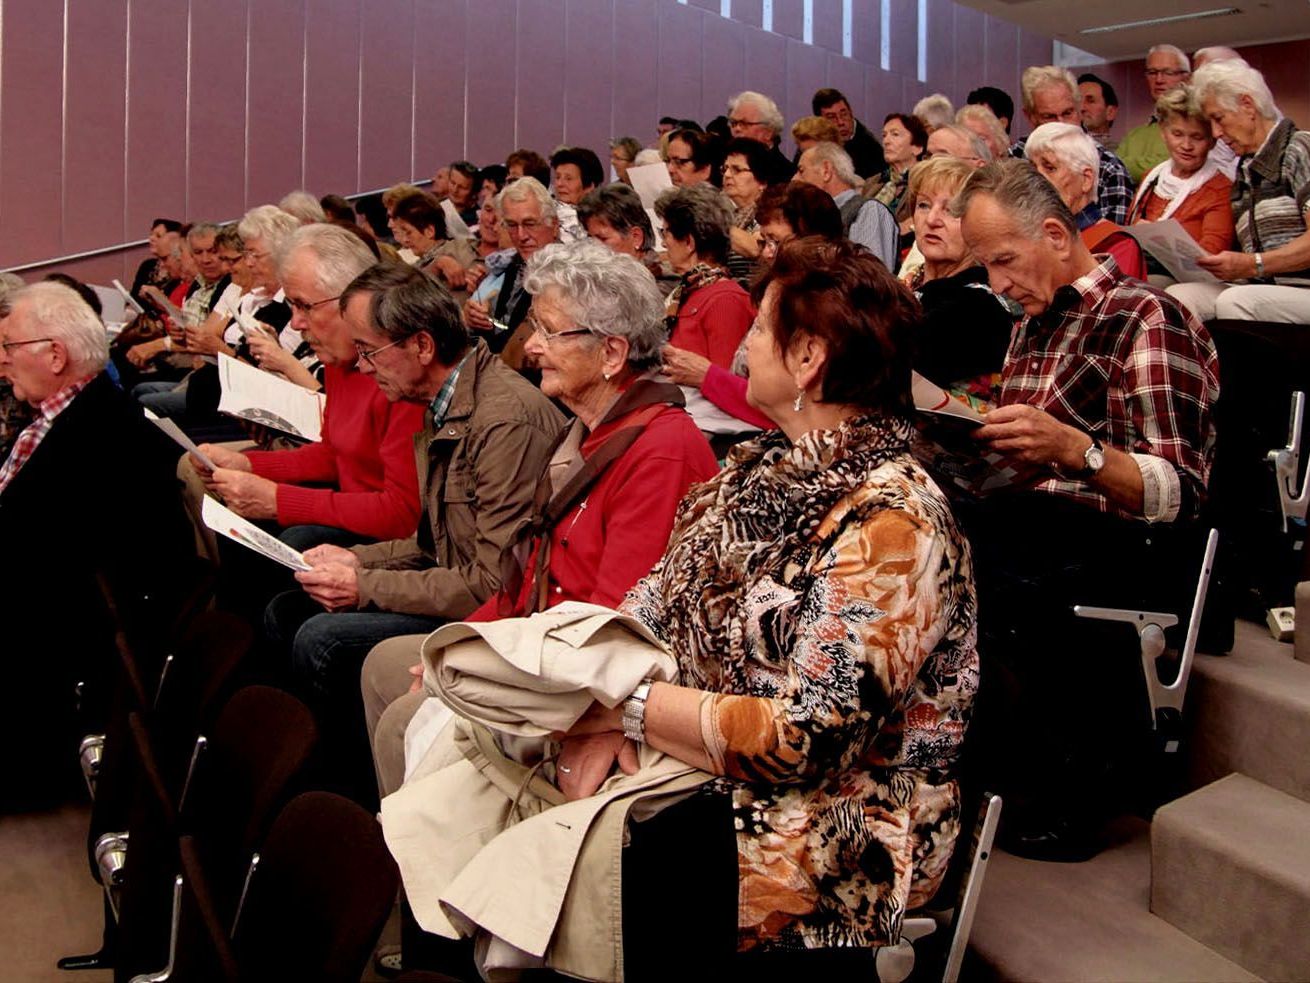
<point>970,51</point>
<point>905,37</point>
<point>748,12</point>
<point>1034,50</point>
<point>637,107</point>
<point>276,101</point>
<point>491,90</point>
<point>827,24</point>
<point>156,113</point>
<point>543,36</point>
<point>216,158</point>
<point>1002,65</point>
<point>439,54</point>
<point>848,77</point>
<point>789,18</point>
<point>866,31</point>
<point>723,66</point>
<point>680,60</point>
<point>590,76</point>
<point>331,98</point>
<point>93,125</point>
<point>711,5</point>
<point>807,70</point>
<point>882,96</point>
<point>386,71</point>
<point>766,64</point>
<point>942,48</point>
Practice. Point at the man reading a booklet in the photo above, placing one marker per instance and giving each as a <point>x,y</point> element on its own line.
<point>487,436</point>
<point>1108,387</point>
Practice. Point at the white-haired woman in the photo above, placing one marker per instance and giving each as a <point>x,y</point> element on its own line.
<point>1270,199</point>
<point>1068,158</point>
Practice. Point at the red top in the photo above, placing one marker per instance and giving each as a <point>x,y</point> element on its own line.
<point>613,537</point>
<point>1206,214</point>
<point>1106,237</point>
<point>727,391</point>
<point>712,321</point>
<point>367,455</point>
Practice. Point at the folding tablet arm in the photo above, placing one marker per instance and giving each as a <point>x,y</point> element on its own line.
<point>1287,465</point>
<point>1166,699</point>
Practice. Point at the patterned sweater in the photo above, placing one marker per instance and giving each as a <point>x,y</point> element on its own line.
<point>822,592</point>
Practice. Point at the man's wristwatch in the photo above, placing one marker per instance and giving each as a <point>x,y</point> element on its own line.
<point>1093,460</point>
<point>634,712</point>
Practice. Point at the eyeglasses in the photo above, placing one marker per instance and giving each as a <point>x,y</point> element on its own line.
<point>6,345</point>
<point>530,226</point>
<point>367,355</point>
<point>735,169</point>
<point>256,257</point>
<point>736,122</point>
<point>304,307</point>
<point>678,161</point>
<point>1173,73</point>
<point>548,336</point>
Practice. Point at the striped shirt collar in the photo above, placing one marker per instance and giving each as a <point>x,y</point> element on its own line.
<point>440,404</point>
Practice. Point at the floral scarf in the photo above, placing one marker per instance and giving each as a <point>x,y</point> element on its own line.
<point>700,275</point>
<point>759,519</point>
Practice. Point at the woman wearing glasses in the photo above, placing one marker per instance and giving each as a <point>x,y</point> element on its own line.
<point>693,157</point>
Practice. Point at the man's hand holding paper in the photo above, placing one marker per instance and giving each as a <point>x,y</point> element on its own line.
<point>333,585</point>
<point>246,494</point>
<point>1025,433</point>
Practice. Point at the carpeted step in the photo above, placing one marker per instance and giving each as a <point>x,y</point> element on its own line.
<point>1301,646</point>
<point>1084,922</point>
<point>1249,712</point>
<point>1231,868</point>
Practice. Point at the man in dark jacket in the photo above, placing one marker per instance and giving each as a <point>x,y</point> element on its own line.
<point>863,146</point>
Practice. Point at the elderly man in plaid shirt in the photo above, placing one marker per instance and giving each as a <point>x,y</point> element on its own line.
<point>1107,394</point>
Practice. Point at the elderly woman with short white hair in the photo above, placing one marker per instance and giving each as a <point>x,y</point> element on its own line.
<point>1068,158</point>
<point>1270,199</point>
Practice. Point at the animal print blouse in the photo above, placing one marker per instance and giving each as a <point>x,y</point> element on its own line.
<point>823,596</point>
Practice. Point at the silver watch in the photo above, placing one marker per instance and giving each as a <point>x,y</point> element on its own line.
<point>1093,459</point>
<point>634,712</point>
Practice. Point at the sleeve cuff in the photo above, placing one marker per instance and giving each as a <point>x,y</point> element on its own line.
<point>1162,491</point>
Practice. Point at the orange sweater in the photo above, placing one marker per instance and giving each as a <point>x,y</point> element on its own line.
<point>1206,214</point>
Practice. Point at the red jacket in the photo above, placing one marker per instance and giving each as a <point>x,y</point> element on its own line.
<point>613,537</point>
<point>712,321</point>
<point>366,455</point>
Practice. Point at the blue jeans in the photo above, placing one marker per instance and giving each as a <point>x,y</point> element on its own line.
<point>160,398</point>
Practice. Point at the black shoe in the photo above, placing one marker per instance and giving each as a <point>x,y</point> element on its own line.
<point>92,960</point>
<point>1056,841</point>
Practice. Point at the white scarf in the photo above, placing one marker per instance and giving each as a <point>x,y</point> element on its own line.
<point>1161,180</point>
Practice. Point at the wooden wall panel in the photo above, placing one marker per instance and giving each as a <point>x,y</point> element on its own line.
<point>942,48</point>
<point>276,101</point>
<point>156,113</point>
<point>766,64</point>
<point>386,95</point>
<point>807,71</point>
<point>636,102</point>
<point>331,98</point>
<point>216,140</point>
<point>94,113</point>
<point>542,57</point>
<point>828,25</point>
<point>440,32</point>
<point>789,18</point>
<point>590,67</point>
<point>866,31</point>
<point>723,69</point>
<point>680,60</point>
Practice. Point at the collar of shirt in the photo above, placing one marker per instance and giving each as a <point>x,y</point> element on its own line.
<point>842,197</point>
<point>440,404</point>
<point>1085,292</point>
<point>1089,216</point>
<point>30,438</point>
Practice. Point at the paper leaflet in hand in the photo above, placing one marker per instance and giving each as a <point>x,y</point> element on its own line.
<point>266,399</point>
<point>648,180</point>
<point>1173,248</point>
<point>944,443</point>
<point>131,301</point>
<point>180,438</point>
<point>227,523</point>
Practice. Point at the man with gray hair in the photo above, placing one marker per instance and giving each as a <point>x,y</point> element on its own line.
<point>957,140</point>
<point>866,221</point>
<point>1142,147</point>
<point>1050,95</point>
<point>755,116</point>
<point>358,483</point>
<point>86,489</point>
<point>485,439</point>
<point>498,308</point>
<point>1107,397</point>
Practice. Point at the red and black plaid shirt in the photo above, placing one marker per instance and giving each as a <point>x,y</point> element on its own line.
<point>30,439</point>
<point>1125,362</point>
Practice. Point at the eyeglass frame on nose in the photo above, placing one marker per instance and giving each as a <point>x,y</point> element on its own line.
<point>737,121</point>
<point>530,226</point>
<point>6,345</point>
<point>547,336</point>
<point>367,356</point>
<point>1172,73</point>
<point>304,307</point>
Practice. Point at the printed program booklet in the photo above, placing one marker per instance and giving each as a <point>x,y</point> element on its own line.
<point>227,523</point>
<point>261,397</point>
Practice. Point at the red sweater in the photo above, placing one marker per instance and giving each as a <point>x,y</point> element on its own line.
<point>727,391</point>
<point>366,455</point>
<point>613,537</point>
<point>712,321</point>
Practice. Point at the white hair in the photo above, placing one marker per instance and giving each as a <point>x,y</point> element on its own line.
<point>1070,144</point>
<point>527,189</point>
<point>825,151</point>
<point>1039,77</point>
<point>976,143</point>
<point>935,111</point>
<point>648,156</point>
<point>767,107</point>
<point>1226,81</point>
<point>997,140</point>
<point>65,317</point>
<point>339,255</point>
<point>1170,49</point>
<point>269,223</point>
<point>303,206</point>
<point>1216,52</point>
<point>610,294</point>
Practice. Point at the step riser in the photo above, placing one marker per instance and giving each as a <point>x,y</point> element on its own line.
<point>1302,641</point>
<point>1234,728</point>
<point>1229,869</point>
